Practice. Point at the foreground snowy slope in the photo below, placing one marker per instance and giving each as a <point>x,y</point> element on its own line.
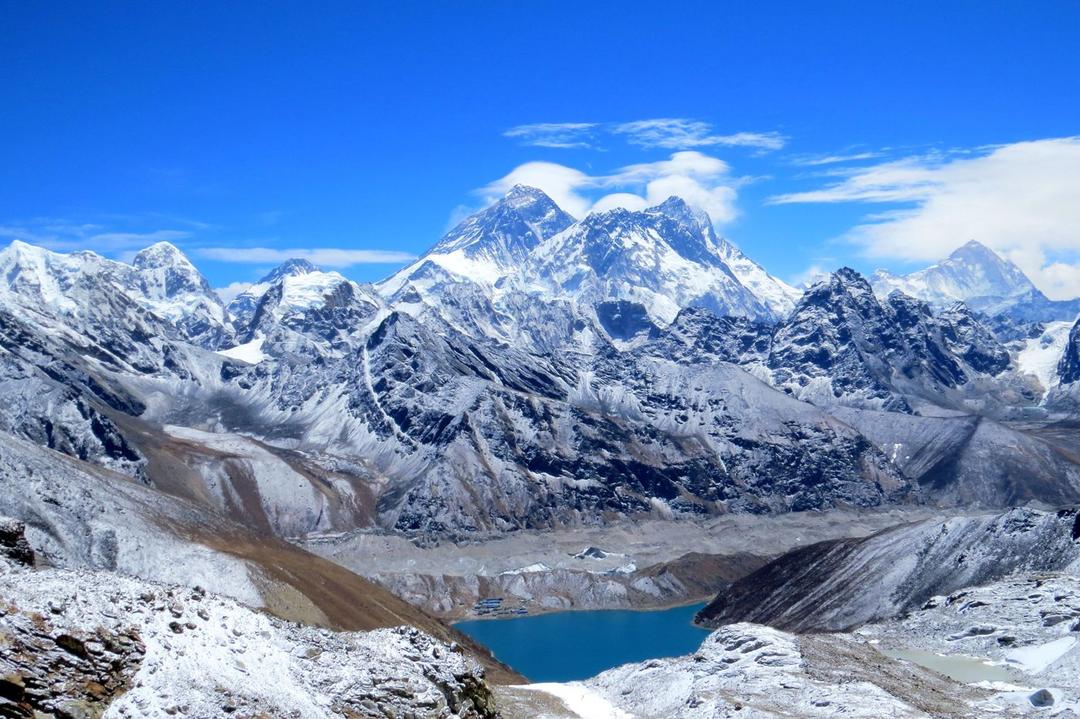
<point>90,643</point>
<point>746,670</point>
<point>82,516</point>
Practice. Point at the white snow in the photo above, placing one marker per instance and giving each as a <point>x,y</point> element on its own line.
<point>581,700</point>
<point>1041,355</point>
<point>205,653</point>
<point>250,352</point>
<point>309,289</point>
<point>1036,659</point>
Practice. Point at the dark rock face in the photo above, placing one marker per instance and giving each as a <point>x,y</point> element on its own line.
<point>624,320</point>
<point>1069,368</point>
<point>13,544</point>
<point>826,586</point>
<point>880,354</point>
<point>46,671</point>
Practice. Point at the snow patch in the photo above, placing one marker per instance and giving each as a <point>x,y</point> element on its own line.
<point>581,700</point>
<point>250,352</point>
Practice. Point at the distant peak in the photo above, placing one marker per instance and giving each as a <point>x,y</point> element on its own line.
<point>159,254</point>
<point>524,191</point>
<point>679,209</point>
<point>674,202</point>
<point>289,268</point>
<point>974,248</point>
<point>520,196</point>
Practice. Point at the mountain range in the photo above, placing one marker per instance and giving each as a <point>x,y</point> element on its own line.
<point>532,370</point>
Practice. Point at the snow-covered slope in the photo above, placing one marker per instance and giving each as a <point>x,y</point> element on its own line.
<point>524,249</point>
<point>175,290</point>
<point>836,585</point>
<point>92,643</point>
<point>745,670</point>
<point>73,287</point>
<point>1042,354</point>
<point>243,305</point>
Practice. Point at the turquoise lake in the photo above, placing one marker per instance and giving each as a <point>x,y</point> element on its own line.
<point>576,645</point>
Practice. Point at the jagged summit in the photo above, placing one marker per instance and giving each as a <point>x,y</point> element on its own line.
<point>509,229</point>
<point>665,258</point>
<point>678,209</point>
<point>289,268</point>
<point>485,247</point>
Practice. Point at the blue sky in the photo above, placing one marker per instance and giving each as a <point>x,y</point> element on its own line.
<point>868,134</point>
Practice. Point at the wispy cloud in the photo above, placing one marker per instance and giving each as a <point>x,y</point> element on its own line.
<point>669,133</point>
<point>814,273</point>
<point>231,291</point>
<point>1019,199</point>
<point>324,257</point>
<point>65,236</point>
<point>703,181</point>
<point>554,134</point>
<point>676,133</point>
<point>839,159</point>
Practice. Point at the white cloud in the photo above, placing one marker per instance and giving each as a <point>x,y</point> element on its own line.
<point>231,291</point>
<point>553,134</point>
<point>813,273</point>
<point>1021,199</point>
<point>703,181</point>
<point>563,184</point>
<point>675,133</point>
<point>324,257</point>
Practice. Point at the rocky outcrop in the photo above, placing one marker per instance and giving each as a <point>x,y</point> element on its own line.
<point>48,670</point>
<point>13,544</point>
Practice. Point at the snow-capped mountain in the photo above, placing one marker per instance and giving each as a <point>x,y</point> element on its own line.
<point>160,280</point>
<point>664,258</point>
<point>983,280</point>
<point>488,245</point>
<point>842,345</point>
<point>243,305</point>
<point>629,364</point>
<point>175,290</point>
<point>524,247</point>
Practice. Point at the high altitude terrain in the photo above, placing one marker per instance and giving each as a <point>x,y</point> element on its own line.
<point>572,411</point>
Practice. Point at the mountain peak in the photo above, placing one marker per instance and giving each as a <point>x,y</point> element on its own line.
<point>975,250</point>
<point>501,235</point>
<point>973,273</point>
<point>289,268</point>
<point>160,254</point>
<point>847,276</point>
<point>519,191</point>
